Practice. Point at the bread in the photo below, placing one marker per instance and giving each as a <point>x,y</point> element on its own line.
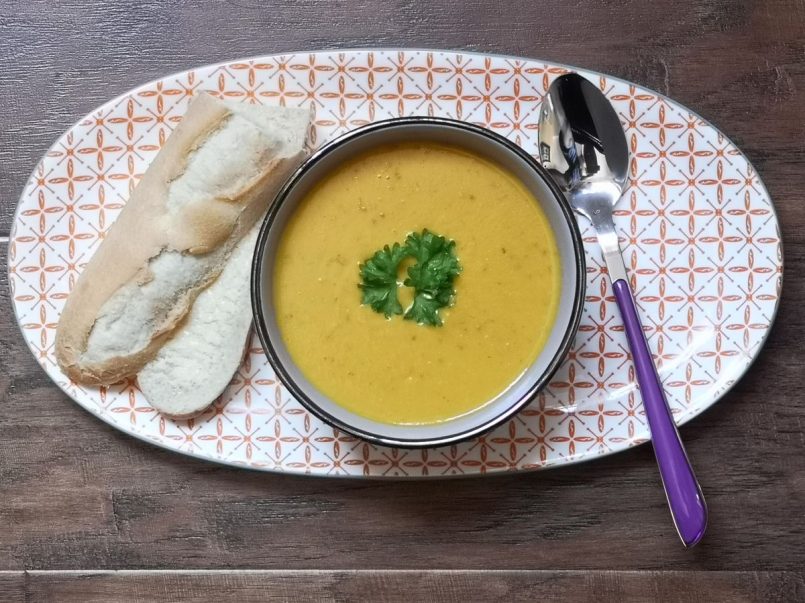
<point>205,189</point>
<point>194,367</point>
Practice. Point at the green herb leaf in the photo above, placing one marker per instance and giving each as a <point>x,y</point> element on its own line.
<point>436,265</point>
<point>379,276</point>
<point>426,306</point>
<point>431,277</point>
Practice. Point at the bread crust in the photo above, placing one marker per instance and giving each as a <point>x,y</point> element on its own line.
<point>146,227</point>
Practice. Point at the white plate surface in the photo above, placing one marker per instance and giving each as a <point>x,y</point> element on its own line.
<point>699,233</point>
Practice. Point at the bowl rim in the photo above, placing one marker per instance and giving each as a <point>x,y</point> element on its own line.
<point>259,255</point>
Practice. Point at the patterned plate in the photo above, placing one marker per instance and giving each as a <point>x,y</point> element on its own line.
<point>698,229</point>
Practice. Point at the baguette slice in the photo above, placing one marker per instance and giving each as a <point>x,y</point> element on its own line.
<point>194,367</point>
<point>213,178</point>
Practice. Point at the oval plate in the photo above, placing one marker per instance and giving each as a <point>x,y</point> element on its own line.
<point>698,230</point>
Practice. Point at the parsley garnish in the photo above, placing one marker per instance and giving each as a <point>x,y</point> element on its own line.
<point>431,277</point>
<point>379,276</point>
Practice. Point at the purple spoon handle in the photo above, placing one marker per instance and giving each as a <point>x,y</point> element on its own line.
<point>681,487</point>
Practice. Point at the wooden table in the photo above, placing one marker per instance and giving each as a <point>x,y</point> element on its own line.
<point>87,513</point>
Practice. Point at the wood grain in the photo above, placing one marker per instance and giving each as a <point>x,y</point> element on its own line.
<point>404,586</point>
<point>77,495</point>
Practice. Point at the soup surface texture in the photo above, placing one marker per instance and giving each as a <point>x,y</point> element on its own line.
<point>394,370</point>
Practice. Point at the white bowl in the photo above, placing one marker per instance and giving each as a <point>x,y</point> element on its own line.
<point>476,140</point>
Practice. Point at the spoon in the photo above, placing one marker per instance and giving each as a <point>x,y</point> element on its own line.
<point>582,145</point>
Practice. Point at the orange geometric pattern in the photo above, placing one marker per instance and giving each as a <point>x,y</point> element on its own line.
<point>698,230</point>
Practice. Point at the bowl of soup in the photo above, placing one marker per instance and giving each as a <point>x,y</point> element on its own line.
<point>417,281</point>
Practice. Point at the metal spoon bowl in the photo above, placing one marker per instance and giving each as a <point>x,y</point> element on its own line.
<point>583,146</point>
